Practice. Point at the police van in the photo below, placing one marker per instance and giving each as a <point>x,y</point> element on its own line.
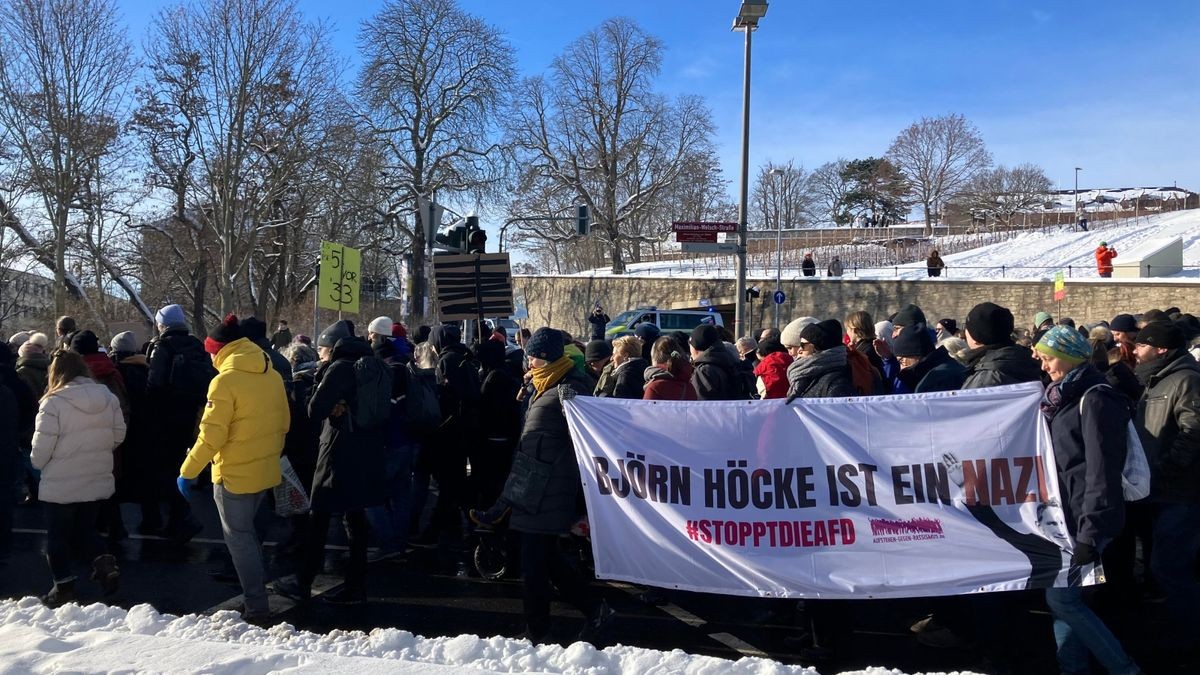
<point>667,320</point>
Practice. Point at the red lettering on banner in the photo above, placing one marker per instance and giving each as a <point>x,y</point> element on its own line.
<point>773,533</point>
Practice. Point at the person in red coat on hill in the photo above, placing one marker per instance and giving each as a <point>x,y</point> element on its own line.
<point>1104,256</point>
<point>669,378</point>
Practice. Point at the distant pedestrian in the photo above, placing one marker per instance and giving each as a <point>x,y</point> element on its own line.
<point>282,336</point>
<point>1104,257</point>
<point>835,268</point>
<point>598,321</point>
<point>934,264</point>
<point>809,266</point>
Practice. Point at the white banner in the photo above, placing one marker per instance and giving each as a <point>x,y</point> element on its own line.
<point>897,496</point>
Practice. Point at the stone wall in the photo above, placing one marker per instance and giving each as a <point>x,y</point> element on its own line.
<point>563,302</point>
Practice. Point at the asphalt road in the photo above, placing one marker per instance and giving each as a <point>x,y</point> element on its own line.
<point>433,593</point>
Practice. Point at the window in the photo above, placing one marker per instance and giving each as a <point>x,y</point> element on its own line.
<point>679,321</point>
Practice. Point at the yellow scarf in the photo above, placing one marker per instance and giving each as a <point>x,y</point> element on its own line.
<point>548,375</point>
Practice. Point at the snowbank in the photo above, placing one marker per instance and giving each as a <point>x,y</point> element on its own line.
<point>98,638</point>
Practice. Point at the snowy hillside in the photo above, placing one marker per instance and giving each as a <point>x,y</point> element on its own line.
<point>98,638</point>
<point>1029,255</point>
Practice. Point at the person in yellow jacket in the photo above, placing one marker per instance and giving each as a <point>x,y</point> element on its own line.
<point>241,434</point>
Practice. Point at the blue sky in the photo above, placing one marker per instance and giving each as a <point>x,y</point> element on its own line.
<point>1113,87</point>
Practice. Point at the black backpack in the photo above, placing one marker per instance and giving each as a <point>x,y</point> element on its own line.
<point>422,411</point>
<point>373,393</point>
<point>191,370</point>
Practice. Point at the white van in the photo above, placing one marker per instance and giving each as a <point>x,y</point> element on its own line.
<point>667,320</point>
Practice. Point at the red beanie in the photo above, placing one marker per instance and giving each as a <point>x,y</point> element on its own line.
<point>227,331</point>
<point>398,330</point>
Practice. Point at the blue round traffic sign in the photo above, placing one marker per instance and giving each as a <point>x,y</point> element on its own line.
<point>779,297</point>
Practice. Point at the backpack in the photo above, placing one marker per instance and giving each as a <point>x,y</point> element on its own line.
<point>422,412</point>
<point>866,379</point>
<point>373,393</point>
<point>191,371</point>
<point>1135,475</point>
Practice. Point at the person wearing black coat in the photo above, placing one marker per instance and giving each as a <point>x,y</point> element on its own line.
<point>1088,422</point>
<point>499,422</point>
<point>994,359</point>
<point>17,413</point>
<point>132,479</point>
<point>349,476</point>
<point>627,378</point>
<point>822,366</point>
<point>923,367</point>
<point>176,413</point>
<point>256,331</point>
<point>714,370</point>
<point>542,515</point>
<point>598,323</point>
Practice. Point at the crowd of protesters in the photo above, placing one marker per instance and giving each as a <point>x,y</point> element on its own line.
<point>369,421</point>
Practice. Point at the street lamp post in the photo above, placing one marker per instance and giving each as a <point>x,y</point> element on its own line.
<point>1077,170</point>
<point>778,245</point>
<point>747,20</point>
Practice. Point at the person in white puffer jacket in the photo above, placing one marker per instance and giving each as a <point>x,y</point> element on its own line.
<point>79,424</point>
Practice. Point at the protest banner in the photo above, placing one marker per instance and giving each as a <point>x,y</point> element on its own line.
<point>339,277</point>
<point>898,496</point>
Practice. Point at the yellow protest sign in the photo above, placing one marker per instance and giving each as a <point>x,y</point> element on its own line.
<point>339,277</point>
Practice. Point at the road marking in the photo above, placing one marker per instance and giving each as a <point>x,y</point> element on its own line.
<point>675,611</point>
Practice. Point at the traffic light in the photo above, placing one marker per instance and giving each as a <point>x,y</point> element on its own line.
<point>583,220</point>
<point>476,237</point>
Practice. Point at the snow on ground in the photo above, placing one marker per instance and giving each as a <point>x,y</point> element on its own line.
<point>102,639</point>
<point>1035,254</point>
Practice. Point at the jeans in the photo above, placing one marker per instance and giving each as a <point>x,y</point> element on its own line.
<point>1173,564</point>
<point>70,536</point>
<point>391,520</point>
<point>1078,631</point>
<point>543,564</point>
<point>237,513</point>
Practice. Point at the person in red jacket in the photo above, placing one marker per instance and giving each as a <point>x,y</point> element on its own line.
<point>1104,256</point>
<point>670,376</point>
<point>772,369</point>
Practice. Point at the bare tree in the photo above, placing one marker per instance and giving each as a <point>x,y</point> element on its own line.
<point>782,196</point>
<point>939,156</point>
<point>232,113</point>
<point>593,130</point>
<point>999,194</point>
<point>434,83</point>
<point>830,187</point>
<point>64,69</point>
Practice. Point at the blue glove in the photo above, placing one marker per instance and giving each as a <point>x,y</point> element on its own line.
<point>185,486</point>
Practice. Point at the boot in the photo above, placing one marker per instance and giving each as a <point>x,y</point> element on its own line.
<point>294,588</point>
<point>106,572</point>
<point>597,624</point>
<point>62,593</point>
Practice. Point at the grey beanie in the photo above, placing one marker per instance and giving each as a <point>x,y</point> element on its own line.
<point>124,342</point>
<point>336,331</point>
<point>790,337</point>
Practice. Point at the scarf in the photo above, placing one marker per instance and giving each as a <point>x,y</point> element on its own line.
<point>1053,398</point>
<point>548,375</point>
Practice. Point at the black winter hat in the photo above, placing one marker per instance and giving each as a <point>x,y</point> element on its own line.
<point>597,350</point>
<point>85,342</point>
<point>225,332</point>
<point>913,341</point>
<point>950,325</point>
<point>1161,334</point>
<point>546,344</point>
<point>990,324</point>
<point>1190,326</point>
<point>704,336</point>
<point>253,329</point>
<point>823,334</point>
<point>908,316</point>
<point>1124,323</point>
<point>334,332</point>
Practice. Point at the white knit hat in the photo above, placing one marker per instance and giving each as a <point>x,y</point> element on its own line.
<point>790,337</point>
<point>380,325</point>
